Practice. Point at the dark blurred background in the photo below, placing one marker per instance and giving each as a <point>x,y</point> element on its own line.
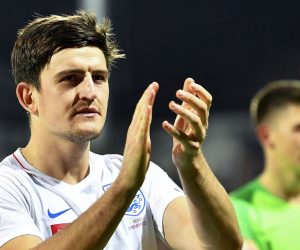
<point>232,48</point>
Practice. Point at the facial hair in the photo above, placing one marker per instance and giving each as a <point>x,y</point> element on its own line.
<point>81,137</point>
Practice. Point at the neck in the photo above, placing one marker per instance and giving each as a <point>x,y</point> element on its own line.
<point>281,183</point>
<point>58,158</point>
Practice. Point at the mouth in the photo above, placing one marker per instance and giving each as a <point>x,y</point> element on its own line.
<point>88,112</point>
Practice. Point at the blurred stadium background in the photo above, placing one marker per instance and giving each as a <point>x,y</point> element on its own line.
<point>230,47</point>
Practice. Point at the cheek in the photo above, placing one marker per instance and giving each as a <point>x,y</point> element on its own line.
<point>53,106</point>
<point>292,140</point>
<point>291,146</point>
<point>297,139</point>
<point>103,94</point>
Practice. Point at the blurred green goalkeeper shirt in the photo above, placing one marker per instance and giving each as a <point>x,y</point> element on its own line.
<point>266,219</point>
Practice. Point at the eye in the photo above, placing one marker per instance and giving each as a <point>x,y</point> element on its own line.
<point>296,128</point>
<point>99,78</point>
<point>69,78</point>
<point>72,79</point>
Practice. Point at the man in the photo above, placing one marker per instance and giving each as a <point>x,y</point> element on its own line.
<point>268,208</point>
<point>56,194</point>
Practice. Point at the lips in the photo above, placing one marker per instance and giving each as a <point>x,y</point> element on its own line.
<point>90,110</point>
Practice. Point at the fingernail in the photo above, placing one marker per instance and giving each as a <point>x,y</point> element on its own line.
<point>180,93</point>
<point>173,105</point>
<point>193,85</point>
<point>166,126</point>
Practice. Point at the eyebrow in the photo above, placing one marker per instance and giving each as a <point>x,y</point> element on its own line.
<point>79,71</point>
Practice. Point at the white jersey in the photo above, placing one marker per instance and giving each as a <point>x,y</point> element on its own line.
<point>32,203</point>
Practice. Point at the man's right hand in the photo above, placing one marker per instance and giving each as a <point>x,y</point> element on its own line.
<point>138,144</point>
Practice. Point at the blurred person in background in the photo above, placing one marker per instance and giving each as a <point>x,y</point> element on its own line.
<point>56,194</point>
<point>268,207</point>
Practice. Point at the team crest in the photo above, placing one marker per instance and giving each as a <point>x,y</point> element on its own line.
<point>136,206</point>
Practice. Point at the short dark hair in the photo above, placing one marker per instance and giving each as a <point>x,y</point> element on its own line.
<point>275,95</point>
<point>44,36</point>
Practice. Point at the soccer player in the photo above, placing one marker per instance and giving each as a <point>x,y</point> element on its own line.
<point>56,194</point>
<point>268,208</point>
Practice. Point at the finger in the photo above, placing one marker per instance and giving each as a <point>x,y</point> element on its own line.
<point>202,93</point>
<point>196,89</point>
<point>187,82</point>
<point>142,116</point>
<point>145,121</point>
<point>173,131</point>
<point>186,87</point>
<point>143,129</point>
<point>154,89</point>
<point>186,141</point>
<point>147,98</point>
<point>192,119</point>
<point>198,106</point>
<point>179,122</point>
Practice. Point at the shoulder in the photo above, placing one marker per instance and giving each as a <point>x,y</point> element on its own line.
<point>7,163</point>
<point>246,201</point>
<point>114,161</point>
<point>16,186</point>
<point>10,171</point>
<point>247,192</point>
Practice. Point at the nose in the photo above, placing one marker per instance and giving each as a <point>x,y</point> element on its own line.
<point>86,88</point>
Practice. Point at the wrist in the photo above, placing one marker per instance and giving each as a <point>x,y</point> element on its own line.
<point>129,181</point>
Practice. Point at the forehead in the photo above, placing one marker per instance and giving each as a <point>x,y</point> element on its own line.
<point>85,58</point>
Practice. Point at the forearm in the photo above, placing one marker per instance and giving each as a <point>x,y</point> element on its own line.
<point>211,210</point>
<point>94,228</point>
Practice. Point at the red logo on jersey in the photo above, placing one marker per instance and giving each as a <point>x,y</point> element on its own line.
<point>57,227</point>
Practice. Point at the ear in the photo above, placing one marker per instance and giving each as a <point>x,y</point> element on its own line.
<point>26,94</point>
<point>264,135</point>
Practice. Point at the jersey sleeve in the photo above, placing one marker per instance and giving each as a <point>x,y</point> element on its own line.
<point>15,217</point>
<point>162,190</point>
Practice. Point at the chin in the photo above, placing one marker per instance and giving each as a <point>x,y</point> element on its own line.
<point>82,136</point>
